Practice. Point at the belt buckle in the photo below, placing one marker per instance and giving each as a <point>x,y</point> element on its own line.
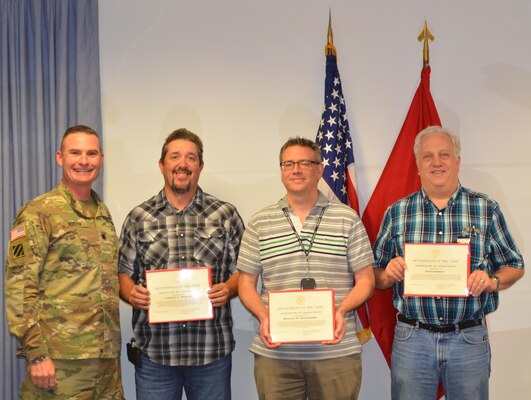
<point>440,328</point>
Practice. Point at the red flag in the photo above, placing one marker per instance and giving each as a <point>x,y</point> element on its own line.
<point>399,178</point>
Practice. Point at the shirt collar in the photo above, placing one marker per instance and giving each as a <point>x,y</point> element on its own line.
<point>322,202</point>
<point>451,200</point>
<point>198,201</point>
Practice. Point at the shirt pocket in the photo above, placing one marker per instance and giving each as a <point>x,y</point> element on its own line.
<point>479,253</point>
<point>398,240</point>
<point>209,244</point>
<point>153,246</point>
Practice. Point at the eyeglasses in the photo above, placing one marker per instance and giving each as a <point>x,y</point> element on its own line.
<point>303,164</point>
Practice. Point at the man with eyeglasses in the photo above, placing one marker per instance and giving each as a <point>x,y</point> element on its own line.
<point>305,241</point>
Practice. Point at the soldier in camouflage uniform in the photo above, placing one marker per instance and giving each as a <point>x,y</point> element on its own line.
<point>62,285</point>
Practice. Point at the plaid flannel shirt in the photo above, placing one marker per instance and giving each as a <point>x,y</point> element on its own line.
<point>415,219</point>
<point>155,235</point>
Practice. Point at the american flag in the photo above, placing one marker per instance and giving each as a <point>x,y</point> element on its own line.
<point>18,232</point>
<point>339,174</point>
<point>333,137</point>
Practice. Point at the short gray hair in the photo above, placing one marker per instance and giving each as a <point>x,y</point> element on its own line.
<point>430,130</point>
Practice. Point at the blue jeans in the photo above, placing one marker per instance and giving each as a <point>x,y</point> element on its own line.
<point>421,359</point>
<point>163,382</point>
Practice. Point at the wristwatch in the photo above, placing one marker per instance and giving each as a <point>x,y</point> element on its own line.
<point>497,279</point>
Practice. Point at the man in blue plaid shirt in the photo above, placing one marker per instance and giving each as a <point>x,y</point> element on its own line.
<point>181,227</point>
<point>440,339</point>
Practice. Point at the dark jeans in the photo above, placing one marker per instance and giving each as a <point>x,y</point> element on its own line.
<point>163,382</point>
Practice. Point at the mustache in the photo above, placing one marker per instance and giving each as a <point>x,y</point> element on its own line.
<point>182,170</point>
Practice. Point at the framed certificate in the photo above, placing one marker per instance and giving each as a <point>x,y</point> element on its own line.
<point>436,269</point>
<point>297,316</point>
<point>179,294</point>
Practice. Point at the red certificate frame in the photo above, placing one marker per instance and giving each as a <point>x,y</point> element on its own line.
<point>300,316</point>
<point>436,269</point>
<point>179,294</point>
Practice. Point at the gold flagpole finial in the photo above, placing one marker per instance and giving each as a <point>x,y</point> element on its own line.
<point>426,36</point>
<point>330,50</point>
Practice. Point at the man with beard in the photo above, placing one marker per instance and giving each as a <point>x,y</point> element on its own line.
<point>181,227</point>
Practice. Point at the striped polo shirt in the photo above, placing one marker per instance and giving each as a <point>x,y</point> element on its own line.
<point>270,248</point>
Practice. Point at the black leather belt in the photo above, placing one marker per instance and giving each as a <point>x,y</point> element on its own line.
<point>441,328</point>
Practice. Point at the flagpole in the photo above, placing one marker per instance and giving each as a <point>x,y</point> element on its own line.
<point>427,37</point>
<point>330,50</point>
<point>338,182</point>
<point>398,179</point>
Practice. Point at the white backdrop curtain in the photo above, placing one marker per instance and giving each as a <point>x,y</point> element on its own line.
<point>50,80</point>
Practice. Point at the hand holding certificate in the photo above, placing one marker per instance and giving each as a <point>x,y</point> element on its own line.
<point>179,294</point>
<point>297,316</point>
<point>436,269</point>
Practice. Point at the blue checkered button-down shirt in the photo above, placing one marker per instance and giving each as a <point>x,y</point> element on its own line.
<point>154,236</point>
<point>415,219</point>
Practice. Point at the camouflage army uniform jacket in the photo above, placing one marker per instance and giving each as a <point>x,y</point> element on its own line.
<point>61,280</point>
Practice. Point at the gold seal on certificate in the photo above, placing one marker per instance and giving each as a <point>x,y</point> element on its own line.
<point>436,269</point>
<point>297,316</point>
<point>179,294</point>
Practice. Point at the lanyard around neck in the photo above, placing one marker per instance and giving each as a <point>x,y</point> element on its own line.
<point>306,252</point>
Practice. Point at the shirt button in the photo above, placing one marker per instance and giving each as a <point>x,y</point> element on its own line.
<point>182,257</point>
<point>182,234</point>
<point>440,318</point>
<point>440,213</point>
<point>440,232</point>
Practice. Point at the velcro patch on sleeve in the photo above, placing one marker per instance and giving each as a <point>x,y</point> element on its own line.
<point>17,250</point>
<point>18,232</point>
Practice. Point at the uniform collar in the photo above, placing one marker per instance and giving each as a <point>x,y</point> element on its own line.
<point>76,204</point>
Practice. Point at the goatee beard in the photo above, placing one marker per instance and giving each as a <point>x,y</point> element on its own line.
<point>180,190</point>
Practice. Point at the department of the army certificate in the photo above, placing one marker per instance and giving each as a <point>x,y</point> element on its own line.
<point>297,316</point>
<point>436,269</point>
<point>179,294</point>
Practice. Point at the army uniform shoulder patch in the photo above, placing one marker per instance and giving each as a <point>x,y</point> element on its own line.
<point>16,251</point>
<point>20,250</point>
<point>18,232</point>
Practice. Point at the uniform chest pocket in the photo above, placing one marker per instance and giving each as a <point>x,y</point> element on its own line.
<point>153,245</point>
<point>209,243</point>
